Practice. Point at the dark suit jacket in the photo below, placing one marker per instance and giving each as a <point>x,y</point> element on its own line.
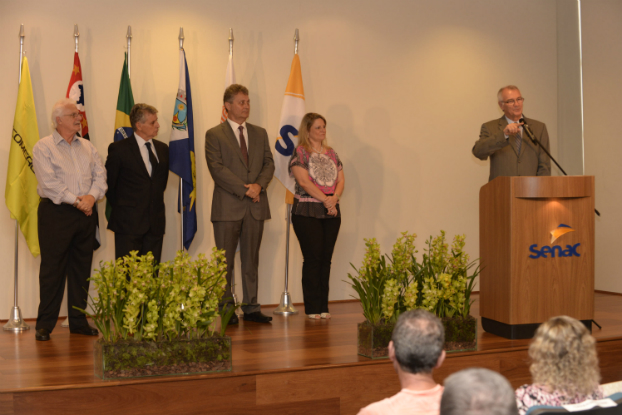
<point>137,199</point>
<point>504,161</point>
<point>230,172</point>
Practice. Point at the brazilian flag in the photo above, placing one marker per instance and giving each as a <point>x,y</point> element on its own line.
<point>122,126</point>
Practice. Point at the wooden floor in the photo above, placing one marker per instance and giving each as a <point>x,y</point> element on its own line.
<point>294,365</point>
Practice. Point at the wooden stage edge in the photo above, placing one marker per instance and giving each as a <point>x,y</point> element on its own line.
<point>294,366</point>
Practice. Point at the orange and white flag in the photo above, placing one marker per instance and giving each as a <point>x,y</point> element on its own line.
<point>287,140</point>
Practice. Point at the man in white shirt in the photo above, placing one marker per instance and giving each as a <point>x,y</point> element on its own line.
<point>71,178</point>
<point>137,177</point>
<point>416,349</point>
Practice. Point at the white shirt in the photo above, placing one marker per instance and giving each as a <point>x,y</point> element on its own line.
<point>234,126</point>
<point>65,171</point>
<point>144,151</point>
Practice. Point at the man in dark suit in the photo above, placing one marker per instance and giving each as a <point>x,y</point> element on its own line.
<point>510,150</point>
<point>137,176</point>
<point>240,162</point>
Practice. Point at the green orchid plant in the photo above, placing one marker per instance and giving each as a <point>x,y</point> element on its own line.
<point>388,285</point>
<point>173,300</point>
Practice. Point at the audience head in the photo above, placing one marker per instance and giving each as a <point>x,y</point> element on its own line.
<point>417,342</point>
<point>478,392</point>
<point>564,357</point>
<point>305,127</point>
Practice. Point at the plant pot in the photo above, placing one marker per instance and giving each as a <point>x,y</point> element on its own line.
<point>133,359</point>
<point>373,340</point>
<point>460,334</point>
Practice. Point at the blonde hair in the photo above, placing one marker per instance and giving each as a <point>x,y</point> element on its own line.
<point>305,127</point>
<point>564,357</point>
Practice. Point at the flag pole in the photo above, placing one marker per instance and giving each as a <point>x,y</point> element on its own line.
<point>181,182</point>
<point>129,46</point>
<point>16,323</point>
<point>286,307</point>
<point>230,42</point>
<point>76,37</point>
<point>234,297</point>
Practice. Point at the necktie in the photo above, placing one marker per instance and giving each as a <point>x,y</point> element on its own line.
<point>152,158</point>
<point>519,140</point>
<point>243,144</point>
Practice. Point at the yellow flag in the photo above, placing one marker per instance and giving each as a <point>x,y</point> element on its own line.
<point>21,184</point>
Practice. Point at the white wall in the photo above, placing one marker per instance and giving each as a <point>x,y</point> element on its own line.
<point>602,69</point>
<point>405,86</point>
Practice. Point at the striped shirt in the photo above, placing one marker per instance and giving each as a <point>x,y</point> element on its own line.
<point>65,171</point>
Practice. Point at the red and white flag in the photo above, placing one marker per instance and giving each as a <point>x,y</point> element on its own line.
<point>75,92</point>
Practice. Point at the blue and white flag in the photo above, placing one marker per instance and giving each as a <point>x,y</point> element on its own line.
<point>181,149</point>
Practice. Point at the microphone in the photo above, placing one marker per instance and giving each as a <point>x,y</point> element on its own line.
<point>528,131</point>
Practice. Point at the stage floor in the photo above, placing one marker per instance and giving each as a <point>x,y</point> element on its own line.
<point>274,365</point>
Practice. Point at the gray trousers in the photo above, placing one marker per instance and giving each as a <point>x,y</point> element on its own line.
<point>249,232</point>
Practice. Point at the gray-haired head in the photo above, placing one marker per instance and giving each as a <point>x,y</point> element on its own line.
<point>478,392</point>
<point>58,108</point>
<point>418,339</point>
<point>139,112</point>
<point>500,93</point>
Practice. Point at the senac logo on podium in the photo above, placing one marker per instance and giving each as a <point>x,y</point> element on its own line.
<point>555,250</point>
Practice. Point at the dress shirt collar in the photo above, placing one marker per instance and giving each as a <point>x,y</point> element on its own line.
<point>141,141</point>
<point>58,138</point>
<point>234,125</point>
<point>511,121</point>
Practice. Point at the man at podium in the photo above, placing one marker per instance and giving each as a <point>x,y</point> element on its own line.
<point>511,152</point>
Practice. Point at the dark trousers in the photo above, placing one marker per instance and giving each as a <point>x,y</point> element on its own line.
<point>66,237</point>
<point>317,239</point>
<point>248,232</point>
<point>149,242</point>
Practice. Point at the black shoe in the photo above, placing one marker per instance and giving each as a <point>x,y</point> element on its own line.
<point>257,317</point>
<point>42,335</point>
<point>233,320</point>
<point>85,330</point>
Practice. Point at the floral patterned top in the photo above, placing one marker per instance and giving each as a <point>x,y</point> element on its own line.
<point>534,395</point>
<point>323,172</point>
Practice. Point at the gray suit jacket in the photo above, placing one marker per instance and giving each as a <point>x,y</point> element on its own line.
<point>504,161</point>
<point>230,172</point>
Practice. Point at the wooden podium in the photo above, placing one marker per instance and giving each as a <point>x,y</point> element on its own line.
<point>537,252</point>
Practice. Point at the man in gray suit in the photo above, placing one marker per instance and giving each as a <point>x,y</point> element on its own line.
<point>240,162</point>
<point>511,152</point>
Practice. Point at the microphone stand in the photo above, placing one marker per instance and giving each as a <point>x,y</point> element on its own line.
<point>537,143</point>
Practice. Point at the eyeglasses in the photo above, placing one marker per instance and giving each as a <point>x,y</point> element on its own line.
<point>513,101</point>
<point>73,115</point>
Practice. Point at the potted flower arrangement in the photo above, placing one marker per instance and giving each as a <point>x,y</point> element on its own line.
<point>160,319</point>
<point>441,283</point>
